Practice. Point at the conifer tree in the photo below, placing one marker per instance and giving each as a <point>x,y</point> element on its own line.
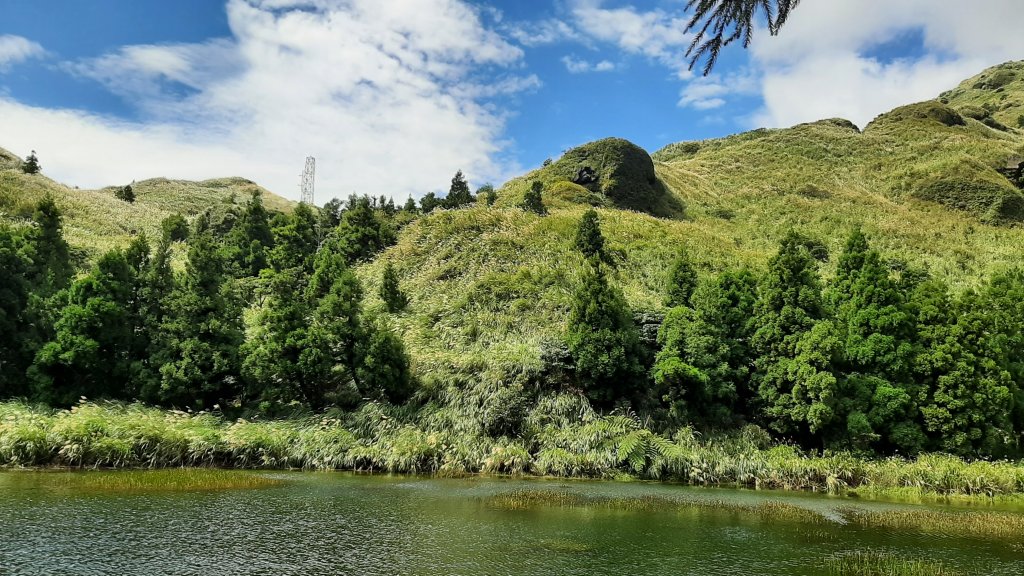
<point>89,354</point>
<point>390,291</point>
<point>51,268</point>
<point>795,344</point>
<point>295,239</point>
<point>603,338</point>
<point>682,280</point>
<point>175,228</point>
<point>458,194</point>
<point>251,239</point>
<point>383,371</point>
<point>533,200</point>
<point>31,164</point>
<point>362,233</point>
<point>589,239</point>
<point>199,339</point>
<point>125,194</point>
<point>14,297</point>
<point>410,206</point>
<point>488,193</point>
<point>429,202</point>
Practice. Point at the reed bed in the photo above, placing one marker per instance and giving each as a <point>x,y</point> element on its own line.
<point>561,437</point>
<point>872,563</point>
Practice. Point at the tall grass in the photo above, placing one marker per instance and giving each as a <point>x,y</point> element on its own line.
<point>871,563</point>
<point>562,437</point>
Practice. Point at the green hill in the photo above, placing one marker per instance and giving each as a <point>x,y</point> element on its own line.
<point>96,221</point>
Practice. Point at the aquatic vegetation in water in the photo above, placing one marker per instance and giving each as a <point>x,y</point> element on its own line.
<point>134,481</point>
<point>872,563</point>
<point>962,524</point>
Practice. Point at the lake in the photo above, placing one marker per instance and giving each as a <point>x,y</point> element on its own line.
<point>341,523</point>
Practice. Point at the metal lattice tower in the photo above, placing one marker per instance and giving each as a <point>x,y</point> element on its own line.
<point>307,180</point>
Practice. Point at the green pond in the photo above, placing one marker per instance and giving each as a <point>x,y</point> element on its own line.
<point>224,523</point>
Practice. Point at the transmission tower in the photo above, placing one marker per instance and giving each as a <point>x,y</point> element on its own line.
<point>307,180</point>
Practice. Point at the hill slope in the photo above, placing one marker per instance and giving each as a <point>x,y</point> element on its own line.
<point>96,221</point>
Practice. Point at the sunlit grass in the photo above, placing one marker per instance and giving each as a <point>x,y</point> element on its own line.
<point>166,480</point>
<point>961,524</point>
<point>871,563</point>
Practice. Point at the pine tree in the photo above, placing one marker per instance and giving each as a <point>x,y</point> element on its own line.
<point>125,194</point>
<point>390,291</point>
<point>14,297</point>
<point>362,233</point>
<point>603,338</point>
<point>51,268</point>
<point>90,352</point>
<point>458,194</point>
<point>410,206</point>
<point>384,366</point>
<point>251,239</point>
<point>429,202</point>
<point>295,239</point>
<point>31,164</point>
<point>198,346</point>
<point>488,193</point>
<point>795,343</point>
<point>589,239</point>
<point>682,281</point>
<point>533,200</point>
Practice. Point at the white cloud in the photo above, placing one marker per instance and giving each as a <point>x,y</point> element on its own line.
<point>391,97</point>
<point>709,92</point>
<point>16,49</point>
<point>655,34</point>
<point>579,66</point>
<point>543,32</point>
<point>821,64</point>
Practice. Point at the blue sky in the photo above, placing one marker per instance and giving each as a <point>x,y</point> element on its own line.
<point>393,96</point>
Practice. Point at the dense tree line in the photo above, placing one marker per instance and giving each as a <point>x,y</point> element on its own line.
<point>132,327</point>
<point>883,357</point>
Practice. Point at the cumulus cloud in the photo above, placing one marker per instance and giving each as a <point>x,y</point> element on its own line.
<point>389,96</point>
<point>824,62</point>
<point>655,34</point>
<point>579,66</point>
<point>709,92</point>
<point>543,32</point>
<point>17,49</point>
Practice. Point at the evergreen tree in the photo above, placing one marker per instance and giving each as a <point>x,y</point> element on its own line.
<point>362,232</point>
<point>603,339</point>
<point>429,202</point>
<point>390,291</point>
<point>410,206</point>
<point>295,239</point>
<point>682,280</point>
<point>175,228</point>
<point>795,344</point>
<point>14,297</point>
<point>878,333</point>
<point>384,366</point>
<point>702,370</point>
<point>330,215</point>
<point>125,194</point>
<point>31,164</point>
<point>533,200</point>
<point>51,268</point>
<point>458,194</point>
<point>251,239</point>
<point>90,354</point>
<point>589,239</point>
<point>199,339</point>
<point>488,193</point>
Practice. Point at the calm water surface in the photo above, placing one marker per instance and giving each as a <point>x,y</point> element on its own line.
<point>333,523</point>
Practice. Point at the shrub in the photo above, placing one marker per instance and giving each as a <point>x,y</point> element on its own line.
<point>125,194</point>
<point>992,202</point>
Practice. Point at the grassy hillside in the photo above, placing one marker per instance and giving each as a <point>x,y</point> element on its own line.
<point>490,285</point>
<point>96,221</point>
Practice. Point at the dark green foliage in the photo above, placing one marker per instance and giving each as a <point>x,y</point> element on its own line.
<point>14,297</point>
<point>795,343</point>
<point>125,194</point>
<point>51,268</point>
<point>330,214</point>
<point>589,239</point>
<point>429,202</point>
<point>994,203</point>
<point>1020,121</point>
<point>390,291</point>
<point>458,194</point>
<point>930,110</point>
<point>197,348</point>
<point>249,243</point>
<point>31,164</point>
<point>410,206</point>
<point>488,193</point>
<point>295,239</point>
<point>682,281</point>
<point>718,23</point>
<point>175,228</point>
<point>363,232</point>
<point>90,354</point>
<point>622,172</point>
<point>603,339</point>
<point>533,200</point>
<point>383,371</point>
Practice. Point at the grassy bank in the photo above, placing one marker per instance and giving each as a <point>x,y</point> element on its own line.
<point>378,438</point>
